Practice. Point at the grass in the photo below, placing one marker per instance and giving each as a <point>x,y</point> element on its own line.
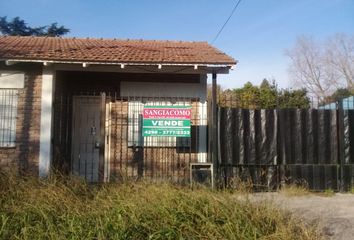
<point>68,208</point>
<point>293,190</point>
<point>328,192</point>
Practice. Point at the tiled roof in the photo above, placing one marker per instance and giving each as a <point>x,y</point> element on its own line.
<point>111,51</point>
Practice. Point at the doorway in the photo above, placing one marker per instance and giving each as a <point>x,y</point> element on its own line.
<point>87,142</point>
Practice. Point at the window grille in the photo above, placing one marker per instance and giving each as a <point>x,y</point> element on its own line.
<point>8,115</point>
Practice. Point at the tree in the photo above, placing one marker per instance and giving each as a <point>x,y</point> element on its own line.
<point>265,96</point>
<point>339,59</point>
<point>307,68</point>
<point>18,27</point>
<point>248,96</point>
<point>323,67</point>
<point>288,98</point>
<point>339,94</point>
<point>268,94</point>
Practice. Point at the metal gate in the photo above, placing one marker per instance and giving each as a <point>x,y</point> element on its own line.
<point>86,134</point>
<point>132,155</point>
<point>122,152</point>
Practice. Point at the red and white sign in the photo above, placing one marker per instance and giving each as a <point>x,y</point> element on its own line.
<point>171,113</point>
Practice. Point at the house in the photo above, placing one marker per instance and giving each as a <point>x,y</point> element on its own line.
<point>76,105</point>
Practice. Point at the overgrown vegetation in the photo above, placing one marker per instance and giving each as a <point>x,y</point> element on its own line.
<point>63,208</point>
<point>328,192</point>
<point>266,96</point>
<point>293,190</point>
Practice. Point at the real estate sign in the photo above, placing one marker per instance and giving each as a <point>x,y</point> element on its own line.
<point>168,121</point>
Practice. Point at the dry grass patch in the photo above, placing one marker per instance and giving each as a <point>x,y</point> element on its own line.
<point>66,208</point>
<point>294,190</point>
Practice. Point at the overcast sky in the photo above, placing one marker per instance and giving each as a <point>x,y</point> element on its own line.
<point>256,35</point>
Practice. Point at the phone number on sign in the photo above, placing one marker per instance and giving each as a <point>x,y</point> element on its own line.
<point>167,132</point>
<point>175,132</point>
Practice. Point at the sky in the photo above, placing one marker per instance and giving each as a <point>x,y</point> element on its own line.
<point>257,35</point>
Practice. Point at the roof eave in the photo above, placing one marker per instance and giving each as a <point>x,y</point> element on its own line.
<point>210,67</point>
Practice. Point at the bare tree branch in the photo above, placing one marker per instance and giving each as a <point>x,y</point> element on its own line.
<point>322,68</point>
<point>339,57</point>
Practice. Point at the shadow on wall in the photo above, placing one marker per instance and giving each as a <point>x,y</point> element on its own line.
<point>29,118</point>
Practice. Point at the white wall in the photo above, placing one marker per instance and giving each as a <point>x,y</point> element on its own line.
<point>12,79</point>
<point>166,89</point>
<point>45,149</point>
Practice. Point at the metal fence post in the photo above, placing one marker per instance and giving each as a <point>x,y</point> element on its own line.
<point>214,144</point>
<point>102,137</point>
<point>341,142</point>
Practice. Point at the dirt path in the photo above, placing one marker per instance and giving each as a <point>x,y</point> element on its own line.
<point>334,214</point>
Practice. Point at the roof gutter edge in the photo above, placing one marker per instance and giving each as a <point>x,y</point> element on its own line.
<point>224,65</point>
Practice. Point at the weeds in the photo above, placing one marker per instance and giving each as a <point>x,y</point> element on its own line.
<point>68,208</point>
<point>293,190</point>
<point>329,192</point>
<point>237,185</point>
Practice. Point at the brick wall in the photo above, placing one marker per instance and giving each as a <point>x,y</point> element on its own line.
<point>25,155</point>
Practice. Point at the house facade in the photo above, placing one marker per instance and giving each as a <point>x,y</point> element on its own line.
<point>77,105</point>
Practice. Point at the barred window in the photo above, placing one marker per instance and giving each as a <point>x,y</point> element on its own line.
<point>8,114</point>
<point>135,118</point>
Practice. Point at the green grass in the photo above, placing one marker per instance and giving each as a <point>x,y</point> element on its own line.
<point>328,192</point>
<point>64,208</point>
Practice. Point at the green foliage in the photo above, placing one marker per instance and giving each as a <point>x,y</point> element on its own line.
<point>339,94</point>
<point>268,94</point>
<point>68,208</point>
<point>18,27</point>
<point>265,96</point>
<point>329,192</point>
<point>293,99</point>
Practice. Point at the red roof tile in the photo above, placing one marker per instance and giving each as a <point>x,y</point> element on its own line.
<point>111,51</point>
